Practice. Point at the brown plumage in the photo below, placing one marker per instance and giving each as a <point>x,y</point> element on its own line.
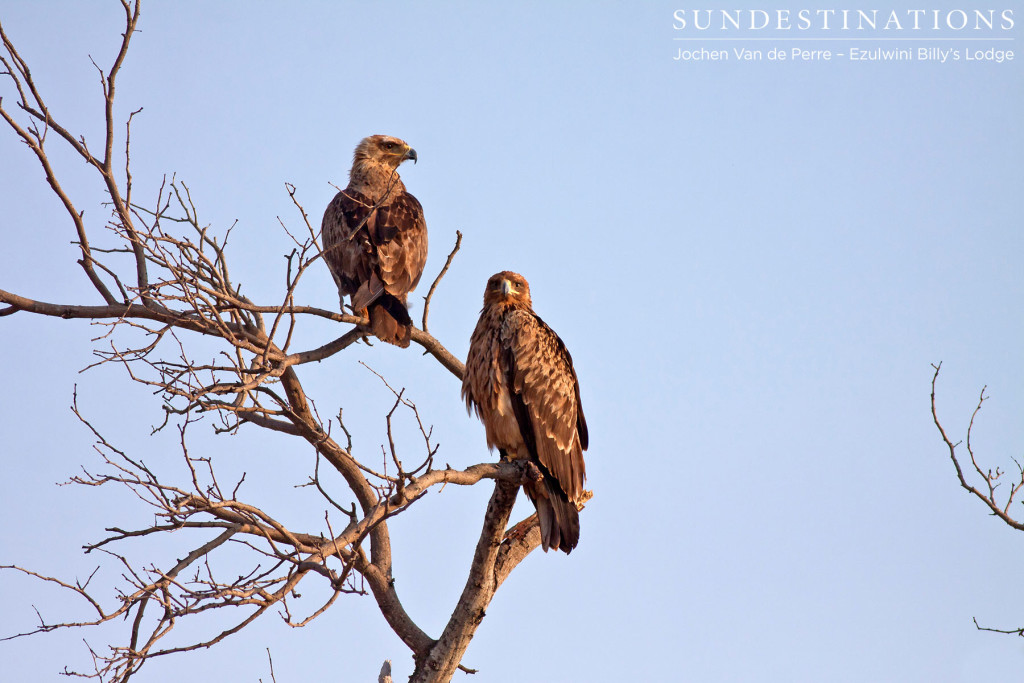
<point>521,382</point>
<point>375,238</point>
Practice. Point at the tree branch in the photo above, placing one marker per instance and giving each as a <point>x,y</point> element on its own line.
<point>990,477</point>
<point>170,276</point>
<point>437,280</point>
<point>446,654</point>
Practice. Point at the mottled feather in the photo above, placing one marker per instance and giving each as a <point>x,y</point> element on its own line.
<point>521,382</point>
<point>375,237</point>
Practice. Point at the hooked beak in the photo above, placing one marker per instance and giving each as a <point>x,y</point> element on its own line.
<point>506,287</point>
<point>411,154</point>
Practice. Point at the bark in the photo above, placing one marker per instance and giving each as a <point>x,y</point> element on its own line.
<point>446,654</point>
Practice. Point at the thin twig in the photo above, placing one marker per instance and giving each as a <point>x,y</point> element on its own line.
<point>437,280</point>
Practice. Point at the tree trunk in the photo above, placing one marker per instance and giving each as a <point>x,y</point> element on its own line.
<point>444,657</point>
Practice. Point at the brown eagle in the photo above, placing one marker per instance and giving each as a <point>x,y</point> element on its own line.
<point>375,238</point>
<point>521,382</point>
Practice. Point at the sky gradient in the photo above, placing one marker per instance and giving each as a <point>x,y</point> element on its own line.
<point>754,266</point>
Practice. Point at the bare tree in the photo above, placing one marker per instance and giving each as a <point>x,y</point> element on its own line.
<point>981,481</point>
<point>165,293</point>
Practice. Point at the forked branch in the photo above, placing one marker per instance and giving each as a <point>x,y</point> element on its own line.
<point>990,479</point>
<point>165,295</point>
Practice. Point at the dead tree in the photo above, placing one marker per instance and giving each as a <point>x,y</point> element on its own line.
<point>980,481</point>
<point>161,289</point>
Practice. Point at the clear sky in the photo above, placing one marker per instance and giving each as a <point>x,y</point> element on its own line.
<point>753,264</point>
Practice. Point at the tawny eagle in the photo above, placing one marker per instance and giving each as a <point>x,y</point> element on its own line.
<point>521,382</point>
<point>375,238</point>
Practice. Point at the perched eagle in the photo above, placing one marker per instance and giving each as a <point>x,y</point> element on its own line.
<point>521,382</point>
<point>375,238</point>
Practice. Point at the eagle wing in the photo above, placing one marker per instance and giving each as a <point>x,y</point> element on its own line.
<point>371,249</point>
<point>400,234</point>
<point>348,249</point>
<point>545,398</point>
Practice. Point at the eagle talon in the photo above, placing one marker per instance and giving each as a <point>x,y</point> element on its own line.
<point>532,473</point>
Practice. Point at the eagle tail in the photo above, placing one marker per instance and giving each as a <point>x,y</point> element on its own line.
<point>558,517</point>
<point>390,321</point>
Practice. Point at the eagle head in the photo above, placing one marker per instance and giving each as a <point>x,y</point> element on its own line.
<point>507,287</point>
<point>385,150</point>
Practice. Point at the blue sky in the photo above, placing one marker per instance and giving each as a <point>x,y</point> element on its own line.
<point>753,264</point>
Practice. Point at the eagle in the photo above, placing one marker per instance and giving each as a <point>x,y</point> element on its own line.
<point>521,382</point>
<point>375,238</point>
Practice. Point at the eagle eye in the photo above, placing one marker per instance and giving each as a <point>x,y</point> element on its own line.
<point>389,146</point>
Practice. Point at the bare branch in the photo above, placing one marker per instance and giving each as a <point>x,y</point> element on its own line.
<point>990,477</point>
<point>437,280</point>
<point>168,297</point>
<point>1012,631</point>
<point>445,655</point>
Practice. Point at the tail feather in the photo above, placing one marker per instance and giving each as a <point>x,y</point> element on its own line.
<point>558,517</point>
<point>390,321</point>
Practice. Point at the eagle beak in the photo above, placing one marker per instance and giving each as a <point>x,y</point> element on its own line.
<point>506,287</point>
<point>411,154</point>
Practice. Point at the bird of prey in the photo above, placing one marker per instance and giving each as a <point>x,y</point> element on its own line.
<point>521,382</point>
<point>375,238</point>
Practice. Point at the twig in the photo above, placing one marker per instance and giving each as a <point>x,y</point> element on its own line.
<point>437,280</point>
